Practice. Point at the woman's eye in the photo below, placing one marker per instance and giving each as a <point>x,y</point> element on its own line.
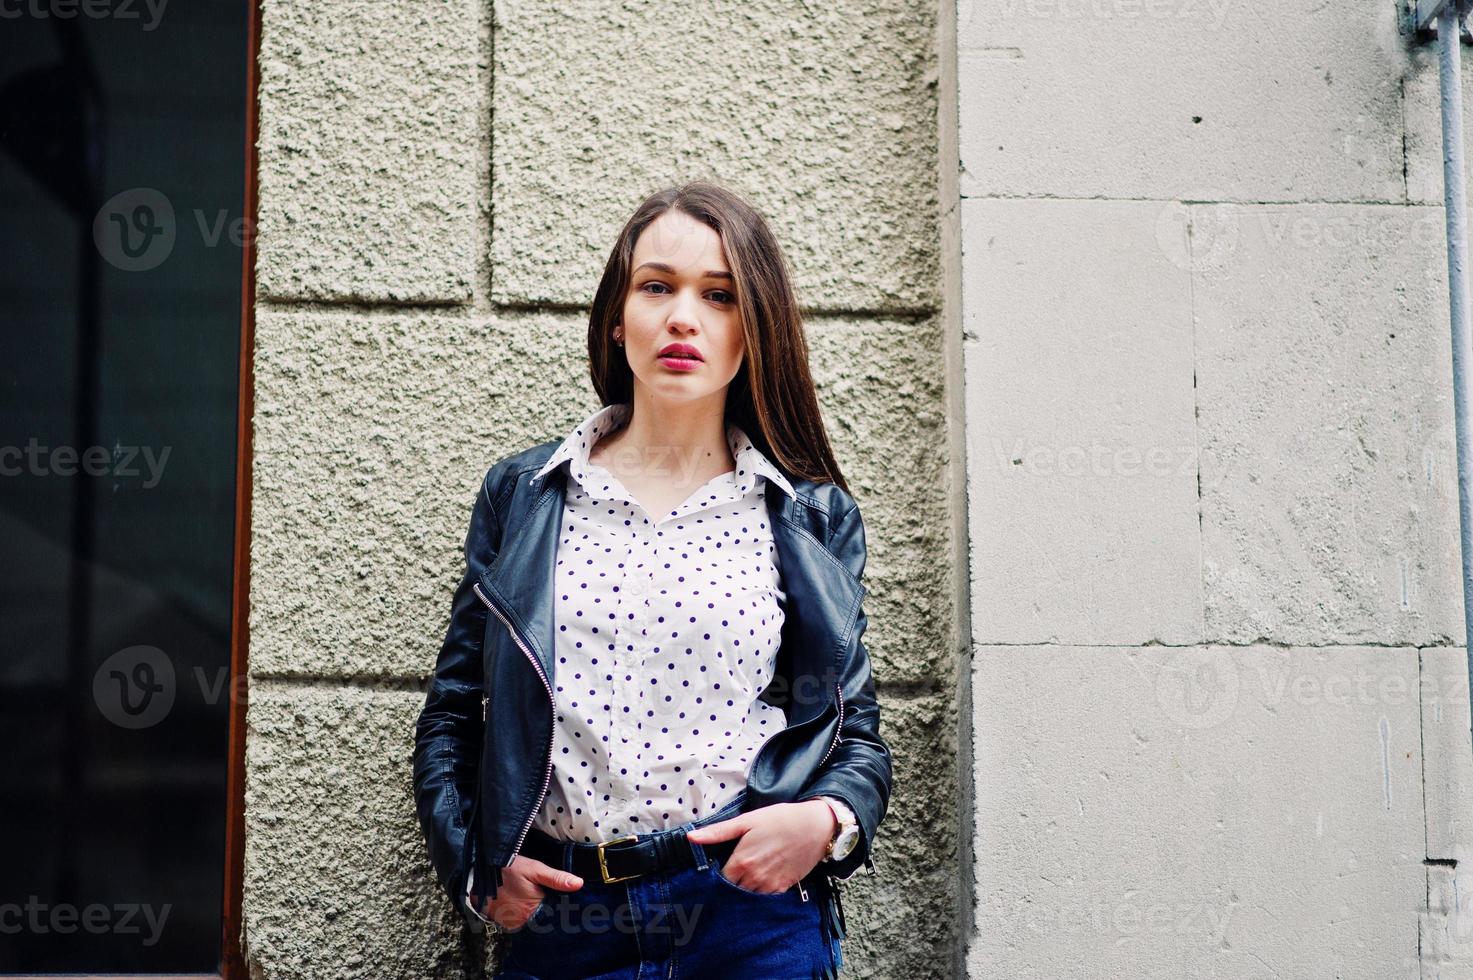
<point>718,295</point>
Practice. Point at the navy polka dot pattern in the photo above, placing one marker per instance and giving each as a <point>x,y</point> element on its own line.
<point>667,629</point>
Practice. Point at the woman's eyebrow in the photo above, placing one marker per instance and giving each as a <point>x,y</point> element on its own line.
<point>668,270</point>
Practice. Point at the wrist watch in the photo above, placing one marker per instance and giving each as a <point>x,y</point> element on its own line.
<point>848,833</point>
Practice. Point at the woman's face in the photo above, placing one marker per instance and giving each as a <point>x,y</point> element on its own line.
<point>680,292</point>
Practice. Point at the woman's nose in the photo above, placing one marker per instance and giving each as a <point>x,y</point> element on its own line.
<point>683,314</point>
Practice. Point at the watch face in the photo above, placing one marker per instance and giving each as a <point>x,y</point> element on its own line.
<point>845,842</point>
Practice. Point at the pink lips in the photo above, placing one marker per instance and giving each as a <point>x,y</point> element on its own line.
<point>670,356</point>
<point>679,363</point>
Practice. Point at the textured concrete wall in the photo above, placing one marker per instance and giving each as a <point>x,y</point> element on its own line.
<point>440,184</point>
<point>1220,713</point>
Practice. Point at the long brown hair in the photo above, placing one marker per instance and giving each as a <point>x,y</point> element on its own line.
<point>771,398</point>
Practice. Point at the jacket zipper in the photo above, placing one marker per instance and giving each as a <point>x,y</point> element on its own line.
<point>837,729</point>
<point>840,690</point>
<point>542,676</point>
<point>774,736</point>
<point>869,864</point>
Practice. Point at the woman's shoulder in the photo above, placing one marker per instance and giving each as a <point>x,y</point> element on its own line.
<point>819,507</point>
<point>832,500</point>
<point>502,474</point>
<point>532,456</point>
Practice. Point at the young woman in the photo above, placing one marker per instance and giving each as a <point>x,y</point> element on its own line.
<point>651,745</point>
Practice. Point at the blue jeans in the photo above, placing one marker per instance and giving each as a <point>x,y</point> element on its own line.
<point>691,923</point>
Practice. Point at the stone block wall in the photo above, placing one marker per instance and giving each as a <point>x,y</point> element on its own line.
<point>440,183</point>
<point>1219,698</point>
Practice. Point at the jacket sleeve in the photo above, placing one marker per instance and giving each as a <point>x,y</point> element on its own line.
<point>448,734</point>
<point>858,770</point>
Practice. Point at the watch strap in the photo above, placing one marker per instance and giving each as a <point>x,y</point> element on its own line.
<point>846,820</point>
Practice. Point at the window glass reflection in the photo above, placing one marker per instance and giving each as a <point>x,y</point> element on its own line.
<point>121,187</point>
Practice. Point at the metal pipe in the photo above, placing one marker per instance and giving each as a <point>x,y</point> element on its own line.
<point>1455,209</point>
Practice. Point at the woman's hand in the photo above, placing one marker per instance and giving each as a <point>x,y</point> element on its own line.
<point>524,882</point>
<point>780,843</point>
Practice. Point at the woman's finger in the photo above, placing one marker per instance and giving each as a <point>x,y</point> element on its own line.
<point>721,830</point>
<point>546,874</point>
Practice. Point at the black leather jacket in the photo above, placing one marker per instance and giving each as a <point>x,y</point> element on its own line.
<point>483,742</point>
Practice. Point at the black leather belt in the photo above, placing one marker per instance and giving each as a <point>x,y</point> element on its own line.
<point>624,858</point>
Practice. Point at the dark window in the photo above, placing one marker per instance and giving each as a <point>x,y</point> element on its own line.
<point>122,197</point>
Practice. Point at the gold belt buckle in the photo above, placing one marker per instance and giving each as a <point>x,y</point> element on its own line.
<point>603,867</point>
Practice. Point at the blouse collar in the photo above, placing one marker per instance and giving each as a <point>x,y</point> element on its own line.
<point>750,461</point>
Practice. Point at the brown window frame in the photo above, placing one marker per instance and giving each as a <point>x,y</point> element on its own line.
<point>232,960</point>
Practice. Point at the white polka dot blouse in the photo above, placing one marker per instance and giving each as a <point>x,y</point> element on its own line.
<point>667,630</point>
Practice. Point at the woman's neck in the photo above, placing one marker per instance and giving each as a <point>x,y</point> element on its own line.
<point>684,443</point>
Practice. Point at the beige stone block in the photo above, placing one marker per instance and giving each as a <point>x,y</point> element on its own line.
<point>1446,925</point>
<point>1447,744</point>
<point>1422,113</point>
<point>333,837</point>
<point>1082,468</point>
<point>880,388</point>
<point>1324,380</point>
<point>1195,812</point>
<point>824,120</point>
<point>1215,100</point>
<point>338,880</point>
<point>373,434</point>
<point>369,149</point>
<point>901,919</point>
